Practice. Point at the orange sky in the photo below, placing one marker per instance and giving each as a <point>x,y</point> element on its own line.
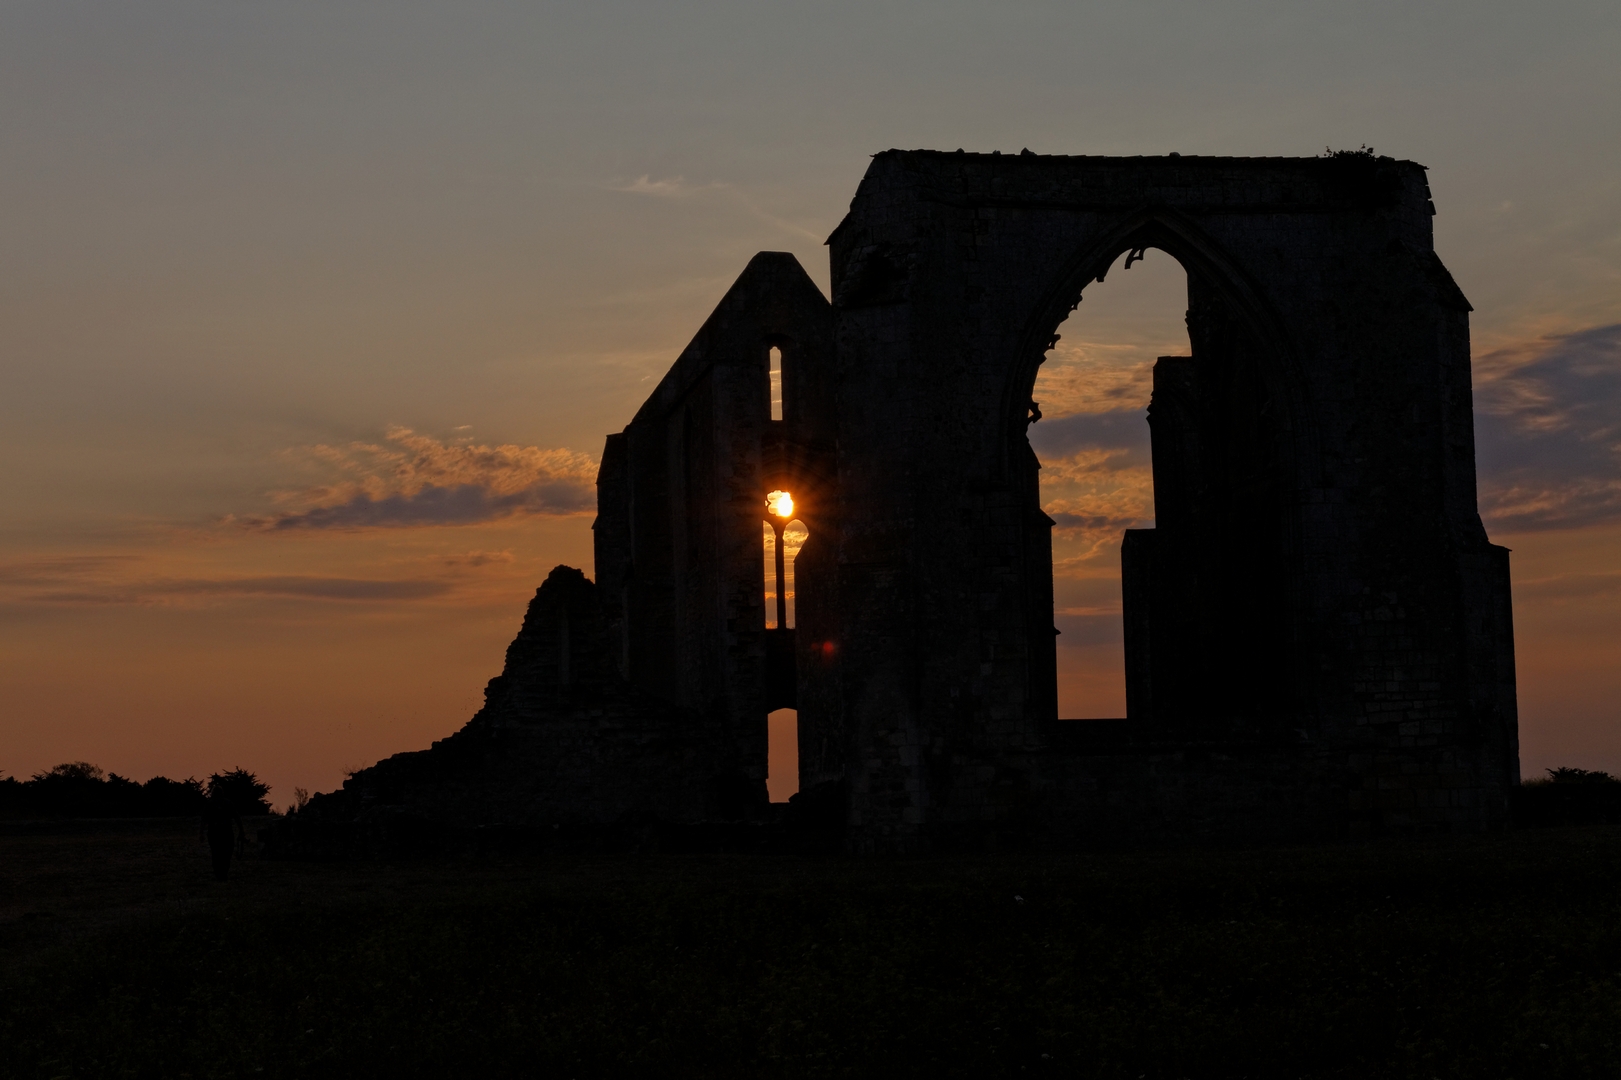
<point>312,320</point>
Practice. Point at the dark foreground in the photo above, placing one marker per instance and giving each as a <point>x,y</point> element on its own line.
<point>1482,957</point>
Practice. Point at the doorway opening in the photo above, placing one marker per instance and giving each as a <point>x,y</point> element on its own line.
<point>1097,480</point>
<point>782,754</point>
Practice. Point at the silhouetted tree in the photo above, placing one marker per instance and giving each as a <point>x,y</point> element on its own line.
<point>80,789</point>
<point>162,797</point>
<point>120,797</point>
<point>238,793</point>
<point>72,789</point>
<point>73,770</point>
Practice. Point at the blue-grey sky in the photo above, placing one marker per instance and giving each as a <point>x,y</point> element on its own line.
<point>313,315</point>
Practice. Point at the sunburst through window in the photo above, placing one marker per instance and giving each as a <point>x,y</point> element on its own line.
<point>780,524</point>
<point>783,536</point>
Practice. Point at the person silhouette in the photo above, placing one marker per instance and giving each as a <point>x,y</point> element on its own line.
<point>220,829</point>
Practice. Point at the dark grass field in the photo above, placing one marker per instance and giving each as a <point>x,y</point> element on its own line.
<point>1484,957</point>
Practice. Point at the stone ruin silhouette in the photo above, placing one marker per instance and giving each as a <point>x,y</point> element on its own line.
<point>1318,634</point>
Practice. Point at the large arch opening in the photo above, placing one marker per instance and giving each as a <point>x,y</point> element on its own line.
<point>1203,573</point>
<point>1096,466</point>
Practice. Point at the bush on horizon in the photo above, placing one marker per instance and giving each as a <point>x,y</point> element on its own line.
<point>1568,796</point>
<point>78,789</point>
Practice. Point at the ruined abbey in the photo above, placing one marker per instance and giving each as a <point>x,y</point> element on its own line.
<point>1318,633</point>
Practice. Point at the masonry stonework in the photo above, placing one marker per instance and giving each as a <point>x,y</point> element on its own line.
<point>1318,632</point>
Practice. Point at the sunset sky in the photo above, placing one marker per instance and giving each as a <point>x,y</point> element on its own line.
<point>313,316</point>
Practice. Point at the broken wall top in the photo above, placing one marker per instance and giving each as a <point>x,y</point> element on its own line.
<point>772,292</point>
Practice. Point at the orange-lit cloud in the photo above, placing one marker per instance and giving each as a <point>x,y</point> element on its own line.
<point>1099,377</point>
<point>416,480</point>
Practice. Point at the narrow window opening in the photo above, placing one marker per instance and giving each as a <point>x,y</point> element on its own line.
<point>783,535</point>
<point>793,538</point>
<point>771,584</point>
<point>776,383</point>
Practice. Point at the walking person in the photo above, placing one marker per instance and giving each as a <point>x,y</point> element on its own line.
<point>220,828</point>
<point>230,796</point>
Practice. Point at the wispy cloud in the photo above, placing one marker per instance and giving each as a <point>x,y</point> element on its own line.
<point>1091,628</point>
<point>1105,440</point>
<point>676,187</point>
<point>480,558</point>
<point>126,579</point>
<point>1569,587</point>
<point>1099,377</point>
<point>298,586</point>
<point>412,479</point>
<point>1096,482</point>
<point>672,187</point>
<point>1548,427</point>
<point>33,572</point>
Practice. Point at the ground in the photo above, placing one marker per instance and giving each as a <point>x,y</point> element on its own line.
<point>1484,956</point>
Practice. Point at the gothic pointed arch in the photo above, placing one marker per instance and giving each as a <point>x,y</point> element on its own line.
<point>1205,261</point>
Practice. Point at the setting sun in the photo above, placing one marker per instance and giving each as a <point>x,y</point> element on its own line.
<point>780,504</point>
